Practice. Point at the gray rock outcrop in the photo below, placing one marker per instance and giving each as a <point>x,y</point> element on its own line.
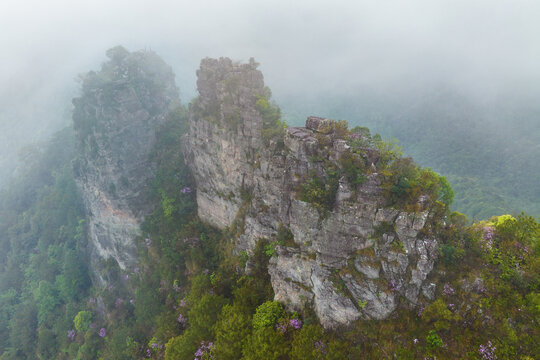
<point>115,118</point>
<point>353,259</point>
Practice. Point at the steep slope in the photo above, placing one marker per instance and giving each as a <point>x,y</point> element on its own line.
<point>115,120</point>
<point>344,252</point>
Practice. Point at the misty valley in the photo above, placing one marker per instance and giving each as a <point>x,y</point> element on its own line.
<point>224,228</point>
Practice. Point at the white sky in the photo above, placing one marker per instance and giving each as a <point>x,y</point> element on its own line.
<point>319,43</point>
<point>304,47</point>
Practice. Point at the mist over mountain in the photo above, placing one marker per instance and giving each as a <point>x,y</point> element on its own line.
<point>401,69</point>
<point>148,229</point>
<point>194,191</point>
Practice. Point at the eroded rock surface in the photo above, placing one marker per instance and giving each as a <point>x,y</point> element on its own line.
<point>115,119</point>
<point>356,259</point>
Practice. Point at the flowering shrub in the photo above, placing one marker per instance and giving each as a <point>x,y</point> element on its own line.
<point>448,290</point>
<point>487,351</point>
<point>295,324</point>
<point>204,351</point>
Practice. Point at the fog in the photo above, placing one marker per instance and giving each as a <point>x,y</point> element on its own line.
<point>307,49</point>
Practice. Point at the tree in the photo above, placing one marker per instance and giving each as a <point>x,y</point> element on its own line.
<point>267,314</point>
<point>232,331</point>
<point>266,343</point>
<point>82,320</point>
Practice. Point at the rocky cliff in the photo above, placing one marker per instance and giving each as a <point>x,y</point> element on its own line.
<point>115,119</point>
<point>338,248</point>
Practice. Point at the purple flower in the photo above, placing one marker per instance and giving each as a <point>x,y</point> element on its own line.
<point>448,290</point>
<point>451,306</point>
<point>131,301</point>
<point>281,327</point>
<point>204,349</point>
<point>182,303</point>
<point>321,346</point>
<point>181,319</point>
<point>148,353</point>
<point>71,334</point>
<point>102,332</point>
<point>296,323</point>
<point>186,190</point>
<point>487,236</point>
<point>136,269</point>
<point>487,351</point>
<point>393,286</point>
<point>118,302</point>
<point>415,341</point>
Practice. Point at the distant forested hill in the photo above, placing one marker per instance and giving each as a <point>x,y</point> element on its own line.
<point>489,151</point>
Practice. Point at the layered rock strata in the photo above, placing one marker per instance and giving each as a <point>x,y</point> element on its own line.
<point>115,118</point>
<point>357,259</point>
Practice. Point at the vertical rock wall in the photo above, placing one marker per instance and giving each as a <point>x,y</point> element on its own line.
<point>115,118</point>
<point>337,262</point>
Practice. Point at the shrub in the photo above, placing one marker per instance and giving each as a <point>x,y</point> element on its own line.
<point>82,320</point>
<point>267,314</point>
<point>320,192</point>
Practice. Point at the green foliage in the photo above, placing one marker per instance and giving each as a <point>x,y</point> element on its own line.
<point>438,314</point>
<point>232,331</point>
<point>320,192</point>
<point>405,184</point>
<point>204,314</point>
<point>47,346</point>
<point>42,232</point>
<point>284,236</point>
<point>182,347</point>
<point>267,314</point>
<point>362,304</point>
<point>46,298</point>
<point>308,344</point>
<point>187,268</point>
<point>433,340</point>
<point>353,167</point>
<point>82,320</point>
<point>270,249</point>
<point>389,151</point>
<point>273,127</point>
<point>266,343</point>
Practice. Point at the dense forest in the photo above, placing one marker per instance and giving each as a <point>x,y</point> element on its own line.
<point>189,297</point>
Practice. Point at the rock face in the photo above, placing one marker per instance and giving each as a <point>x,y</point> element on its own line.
<point>115,119</point>
<point>354,259</point>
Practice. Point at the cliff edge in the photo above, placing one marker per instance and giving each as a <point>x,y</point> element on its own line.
<point>315,192</point>
<point>115,118</point>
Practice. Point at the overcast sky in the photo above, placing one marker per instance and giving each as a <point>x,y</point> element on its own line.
<point>304,47</point>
